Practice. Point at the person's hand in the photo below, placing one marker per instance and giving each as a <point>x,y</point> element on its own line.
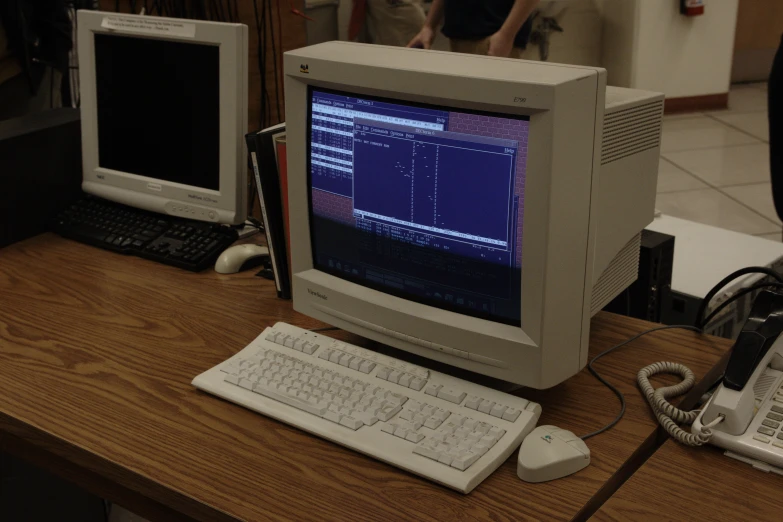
<point>500,44</point>
<point>424,39</point>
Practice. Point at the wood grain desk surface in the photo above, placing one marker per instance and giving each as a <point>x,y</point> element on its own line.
<point>97,352</point>
<point>683,483</point>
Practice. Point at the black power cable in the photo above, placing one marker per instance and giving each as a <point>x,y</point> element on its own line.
<point>744,291</point>
<point>700,321</point>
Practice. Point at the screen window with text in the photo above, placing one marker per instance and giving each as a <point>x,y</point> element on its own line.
<point>418,201</point>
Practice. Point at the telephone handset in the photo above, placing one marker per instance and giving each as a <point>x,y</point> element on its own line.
<point>745,414</point>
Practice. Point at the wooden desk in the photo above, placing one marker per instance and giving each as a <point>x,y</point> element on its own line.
<point>683,483</point>
<point>97,352</point>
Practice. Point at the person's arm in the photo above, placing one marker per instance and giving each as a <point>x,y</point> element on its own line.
<point>501,43</point>
<point>427,34</point>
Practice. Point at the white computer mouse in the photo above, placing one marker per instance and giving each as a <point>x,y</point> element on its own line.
<point>240,257</point>
<point>549,453</point>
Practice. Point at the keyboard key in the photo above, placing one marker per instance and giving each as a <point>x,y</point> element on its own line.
<point>428,452</point>
<point>414,436</point>
<point>770,423</point>
<point>432,423</point>
<point>497,410</point>
<point>405,380</point>
<point>451,395</point>
<point>465,460</point>
<point>473,402</point>
<point>496,432</point>
<point>777,409</point>
<point>417,383</point>
<point>445,458</point>
<point>387,412</point>
<point>761,438</point>
<point>433,389</point>
<point>511,414</point>
<point>394,376</point>
<point>775,416</point>
<point>351,422</point>
<point>389,428</point>
<point>400,432</point>
<point>485,406</point>
<point>366,366</point>
<point>470,424</point>
<point>383,373</point>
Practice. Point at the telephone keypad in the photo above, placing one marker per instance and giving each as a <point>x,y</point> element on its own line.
<point>770,424</point>
<point>777,409</point>
<point>775,416</point>
<point>766,431</point>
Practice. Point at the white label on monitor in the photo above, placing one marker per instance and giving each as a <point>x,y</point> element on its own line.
<point>149,26</point>
<point>154,186</point>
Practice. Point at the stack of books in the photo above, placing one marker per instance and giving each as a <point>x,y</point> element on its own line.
<point>266,151</point>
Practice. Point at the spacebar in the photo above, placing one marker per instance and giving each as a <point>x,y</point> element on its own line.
<point>291,401</point>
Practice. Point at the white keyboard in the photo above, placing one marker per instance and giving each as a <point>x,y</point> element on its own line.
<point>442,428</point>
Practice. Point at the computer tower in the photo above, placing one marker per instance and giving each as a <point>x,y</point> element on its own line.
<point>40,171</point>
<point>650,295</point>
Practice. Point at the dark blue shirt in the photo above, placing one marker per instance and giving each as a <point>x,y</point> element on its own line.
<point>478,19</point>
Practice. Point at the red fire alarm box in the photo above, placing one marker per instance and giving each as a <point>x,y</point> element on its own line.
<point>692,7</point>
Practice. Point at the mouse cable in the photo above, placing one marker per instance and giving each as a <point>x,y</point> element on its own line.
<point>609,385</point>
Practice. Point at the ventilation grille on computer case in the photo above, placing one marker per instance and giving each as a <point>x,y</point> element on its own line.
<point>619,275</point>
<point>632,130</point>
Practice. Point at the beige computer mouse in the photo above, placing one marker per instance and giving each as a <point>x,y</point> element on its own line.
<point>549,453</point>
<point>240,257</point>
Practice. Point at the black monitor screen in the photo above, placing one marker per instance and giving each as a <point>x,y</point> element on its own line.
<point>419,201</point>
<point>158,109</point>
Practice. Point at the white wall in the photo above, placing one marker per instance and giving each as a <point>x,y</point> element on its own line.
<point>648,44</point>
<point>681,55</point>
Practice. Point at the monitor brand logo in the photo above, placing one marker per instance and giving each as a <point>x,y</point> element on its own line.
<point>319,295</point>
<point>205,199</point>
<point>304,68</point>
<point>547,438</point>
<point>517,99</point>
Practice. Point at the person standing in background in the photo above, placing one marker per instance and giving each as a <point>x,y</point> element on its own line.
<point>775,118</point>
<point>491,27</point>
<point>35,38</point>
<point>388,22</point>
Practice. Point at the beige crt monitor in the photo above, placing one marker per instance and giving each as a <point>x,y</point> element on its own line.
<point>476,211</point>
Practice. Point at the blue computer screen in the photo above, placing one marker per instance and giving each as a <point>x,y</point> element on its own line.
<point>419,201</point>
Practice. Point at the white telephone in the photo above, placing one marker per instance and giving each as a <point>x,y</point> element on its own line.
<point>752,412</point>
<point>745,414</point>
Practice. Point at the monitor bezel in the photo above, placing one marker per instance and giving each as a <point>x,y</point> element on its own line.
<point>565,105</point>
<point>228,204</point>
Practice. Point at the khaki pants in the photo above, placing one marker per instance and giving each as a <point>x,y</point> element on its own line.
<point>394,22</point>
<point>482,47</point>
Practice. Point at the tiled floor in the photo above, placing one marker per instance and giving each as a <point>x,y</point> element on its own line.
<point>714,166</point>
